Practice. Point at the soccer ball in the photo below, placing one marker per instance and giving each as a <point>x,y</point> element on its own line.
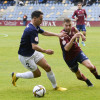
<point>39,91</point>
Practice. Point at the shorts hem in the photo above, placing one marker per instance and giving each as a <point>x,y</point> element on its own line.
<point>84,60</point>
<point>39,60</point>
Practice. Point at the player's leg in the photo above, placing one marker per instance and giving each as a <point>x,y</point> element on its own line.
<point>78,27</point>
<point>81,77</point>
<point>43,64</point>
<point>91,67</point>
<point>30,65</point>
<point>84,33</point>
<point>74,68</point>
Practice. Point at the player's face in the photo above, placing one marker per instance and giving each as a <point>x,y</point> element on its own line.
<point>79,6</point>
<point>39,20</point>
<point>67,26</point>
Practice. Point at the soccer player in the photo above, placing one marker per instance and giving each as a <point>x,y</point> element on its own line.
<point>30,54</point>
<point>72,53</point>
<point>80,19</point>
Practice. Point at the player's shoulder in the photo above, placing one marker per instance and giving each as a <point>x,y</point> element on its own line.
<point>83,9</point>
<point>76,10</point>
<point>73,28</point>
<point>62,30</point>
<point>30,27</point>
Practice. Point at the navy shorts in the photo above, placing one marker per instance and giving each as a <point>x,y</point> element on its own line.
<point>81,27</point>
<point>73,64</point>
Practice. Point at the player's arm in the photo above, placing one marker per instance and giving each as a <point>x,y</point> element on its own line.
<point>70,43</point>
<point>38,48</point>
<point>73,16</point>
<point>85,15</point>
<point>82,36</point>
<point>76,30</point>
<point>46,33</point>
<point>34,43</point>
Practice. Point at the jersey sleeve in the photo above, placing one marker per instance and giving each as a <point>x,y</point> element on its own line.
<point>34,37</point>
<point>41,30</point>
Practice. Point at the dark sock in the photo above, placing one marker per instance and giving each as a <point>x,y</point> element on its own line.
<point>95,73</point>
<point>98,77</point>
<point>88,82</point>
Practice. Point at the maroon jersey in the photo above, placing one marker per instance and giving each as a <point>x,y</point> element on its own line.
<point>75,49</point>
<point>80,14</point>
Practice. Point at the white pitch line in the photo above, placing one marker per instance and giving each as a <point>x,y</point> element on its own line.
<point>4,35</point>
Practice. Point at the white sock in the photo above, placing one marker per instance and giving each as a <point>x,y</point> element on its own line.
<point>51,77</point>
<point>25,75</point>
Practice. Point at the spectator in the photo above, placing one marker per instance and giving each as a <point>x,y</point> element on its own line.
<point>21,3</point>
<point>99,17</point>
<point>24,20</point>
<point>90,2</point>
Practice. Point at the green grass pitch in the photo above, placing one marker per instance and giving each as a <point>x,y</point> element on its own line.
<point>77,90</point>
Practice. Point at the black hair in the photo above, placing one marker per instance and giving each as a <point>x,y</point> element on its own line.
<point>36,14</point>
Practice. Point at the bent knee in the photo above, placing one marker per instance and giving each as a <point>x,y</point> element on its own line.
<point>37,74</point>
<point>90,67</point>
<point>47,68</point>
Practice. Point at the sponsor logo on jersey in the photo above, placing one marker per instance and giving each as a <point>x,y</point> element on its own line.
<point>36,39</point>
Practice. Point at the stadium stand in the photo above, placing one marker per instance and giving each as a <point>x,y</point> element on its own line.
<point>52,11</point>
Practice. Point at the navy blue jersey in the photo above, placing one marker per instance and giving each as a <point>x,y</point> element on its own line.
<point>30,35</point>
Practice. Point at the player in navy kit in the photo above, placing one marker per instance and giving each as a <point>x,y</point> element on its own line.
<point>80,19</point>
<point>30,53</point>
<point>72,53</point>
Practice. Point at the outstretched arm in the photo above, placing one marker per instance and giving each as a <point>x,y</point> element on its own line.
<point>62,34</point>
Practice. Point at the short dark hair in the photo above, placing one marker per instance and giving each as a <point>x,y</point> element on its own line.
<point>68,20</point>
<point>79,3</point>
<point>36,14</point>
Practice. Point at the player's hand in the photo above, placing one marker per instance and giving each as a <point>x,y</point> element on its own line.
<point>77,35</point>
<point>85,19</point>
<point>76,19</point>
<point>50,52</point>
<point>83,38</point>
<point>62,34</point>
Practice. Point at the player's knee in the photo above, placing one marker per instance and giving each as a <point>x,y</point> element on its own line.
<point>37,74</point>
<point>91,67</point>
<point>47,68</point>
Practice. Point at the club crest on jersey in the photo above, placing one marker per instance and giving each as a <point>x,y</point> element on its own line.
<point>36,39</point>
<point>63,42</point>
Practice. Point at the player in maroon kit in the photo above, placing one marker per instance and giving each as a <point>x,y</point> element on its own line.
<point>80,19</point>
<point>72,53</point>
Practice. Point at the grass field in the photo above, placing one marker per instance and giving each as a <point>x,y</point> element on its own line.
<point>77,90</point>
